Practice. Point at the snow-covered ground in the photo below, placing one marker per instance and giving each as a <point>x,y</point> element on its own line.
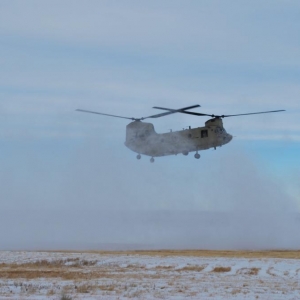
<point>49,275</point>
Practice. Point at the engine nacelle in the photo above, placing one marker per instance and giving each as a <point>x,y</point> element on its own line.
<point>138,131</point>
<point>214,122</point>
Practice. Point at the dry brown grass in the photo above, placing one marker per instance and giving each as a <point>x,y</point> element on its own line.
<point>214,253</point>
<point>287,254</point>
<point>107,287</point>
<point>65,273</point>
<point>60,263</point>
<point>50,292</point>
<point>84,270</point>
<point>83,289</point>
<point>65,297</point>
<point>221,269</point>
<point>248,271</point>
<point>236,291</point>
<point>62,273</point>
<point>164,268</point>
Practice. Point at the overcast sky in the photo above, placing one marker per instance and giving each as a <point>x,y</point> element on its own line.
<point>124,57</point>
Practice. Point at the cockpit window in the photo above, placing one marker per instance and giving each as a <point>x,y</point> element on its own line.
<point>220,130</point>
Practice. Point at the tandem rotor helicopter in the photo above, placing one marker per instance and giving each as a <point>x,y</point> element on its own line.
<point>142,138</point>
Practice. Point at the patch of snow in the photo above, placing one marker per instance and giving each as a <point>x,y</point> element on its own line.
<point>153,277</point>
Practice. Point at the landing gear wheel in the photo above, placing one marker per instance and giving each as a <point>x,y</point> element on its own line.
<point>185,153</point>
<point>197,155</point>
<point>152,160</point>
<point>138,156</point>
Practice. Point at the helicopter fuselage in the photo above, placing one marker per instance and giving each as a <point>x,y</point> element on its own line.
<point>142,138</point>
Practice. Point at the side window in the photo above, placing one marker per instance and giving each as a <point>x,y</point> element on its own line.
<point>204,133</point>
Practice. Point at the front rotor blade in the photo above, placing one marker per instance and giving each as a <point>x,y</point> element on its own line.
<point>196,114</point>
<point>255,113</point>
<point>97,113</point>
<point>220,116</point>
<point>184,108</point>
<point>171,111</point>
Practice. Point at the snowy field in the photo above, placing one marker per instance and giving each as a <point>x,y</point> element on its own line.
<point>130,275</point>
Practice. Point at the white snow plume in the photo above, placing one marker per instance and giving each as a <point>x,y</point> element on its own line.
<point>125,230</point>
<point>107,199</point>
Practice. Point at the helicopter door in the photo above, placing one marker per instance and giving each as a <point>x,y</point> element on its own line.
<point>204,133</point>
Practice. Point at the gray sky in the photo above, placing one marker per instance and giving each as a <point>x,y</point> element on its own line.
<point>124,57</point>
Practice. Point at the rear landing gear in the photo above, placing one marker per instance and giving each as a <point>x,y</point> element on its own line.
<point>197,155</point>
<point>138,156</point>
<point>152,160</point>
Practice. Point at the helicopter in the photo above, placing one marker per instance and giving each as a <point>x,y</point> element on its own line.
<point>142,138</point>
